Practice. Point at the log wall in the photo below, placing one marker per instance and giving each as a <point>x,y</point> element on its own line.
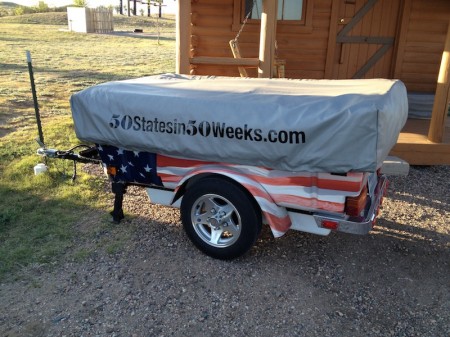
<point>418,49</point>
<point>421,42</point>
<point>303,47</point>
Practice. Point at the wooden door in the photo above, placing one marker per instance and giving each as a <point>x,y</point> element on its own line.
<point>362,38</point>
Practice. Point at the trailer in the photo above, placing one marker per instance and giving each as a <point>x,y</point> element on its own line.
<point>234,154</point>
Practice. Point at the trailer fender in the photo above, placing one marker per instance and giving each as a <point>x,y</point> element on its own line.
<point>275,216</point>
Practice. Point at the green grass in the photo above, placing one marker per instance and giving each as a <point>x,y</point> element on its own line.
<point>37,213</point>
<point>66,62</point>
<point>40,216</point>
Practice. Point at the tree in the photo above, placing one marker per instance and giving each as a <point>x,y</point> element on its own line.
<point>42,7</point>
<point>80,3</point>
<point>19,10</point>
<point>4,12</point>
<point>25,10</point>
<point>160,2</point>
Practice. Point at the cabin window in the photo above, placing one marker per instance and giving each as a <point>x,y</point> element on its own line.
<point>297,13</point>
<point>288,10</point>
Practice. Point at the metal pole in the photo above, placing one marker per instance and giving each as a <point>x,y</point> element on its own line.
<point>36,105</point>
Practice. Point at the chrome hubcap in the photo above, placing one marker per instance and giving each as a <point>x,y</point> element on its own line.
<point>216,220</point>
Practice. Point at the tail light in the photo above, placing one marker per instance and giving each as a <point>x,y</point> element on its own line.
<point>330,224</point>
<point>355,205</point>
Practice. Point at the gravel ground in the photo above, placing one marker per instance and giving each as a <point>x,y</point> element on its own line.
<point>392,282</point>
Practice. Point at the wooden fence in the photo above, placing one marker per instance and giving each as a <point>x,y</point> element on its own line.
<point>102,19</point>
<point>90,20</point>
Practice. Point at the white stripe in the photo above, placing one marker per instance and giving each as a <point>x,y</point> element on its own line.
<point>350,177</point>
<point>276,233</point>
<point>270,207</point>
<point>170,185</point>
<point>174,170</point>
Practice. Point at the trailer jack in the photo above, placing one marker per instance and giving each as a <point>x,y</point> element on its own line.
<point>119,189</point>
<point>88,154</point>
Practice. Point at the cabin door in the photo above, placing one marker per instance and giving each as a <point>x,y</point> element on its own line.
<point>364,34</point>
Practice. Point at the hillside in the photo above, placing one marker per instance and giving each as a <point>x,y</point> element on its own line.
<point>50,18</point>
<point>120,22</point>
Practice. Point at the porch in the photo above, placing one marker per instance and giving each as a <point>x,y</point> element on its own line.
<point>414,146</point>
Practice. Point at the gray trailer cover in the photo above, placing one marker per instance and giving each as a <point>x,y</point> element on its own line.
<point>293,125</point>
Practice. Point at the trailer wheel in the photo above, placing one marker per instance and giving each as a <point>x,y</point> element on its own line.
<point>220,218</point>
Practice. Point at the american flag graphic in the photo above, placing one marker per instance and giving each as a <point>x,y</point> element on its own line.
<point>132,166</point>
<point>274,190</point>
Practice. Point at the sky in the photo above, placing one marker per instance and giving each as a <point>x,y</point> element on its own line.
<point>170,8</point>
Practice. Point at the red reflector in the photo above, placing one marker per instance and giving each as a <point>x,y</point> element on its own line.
<point>333,225</point>
<point>111,170</point>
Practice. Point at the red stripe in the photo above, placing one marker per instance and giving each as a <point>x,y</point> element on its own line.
<point>308,202</point>
<point>338,185</point>
<point>169,178</point>
<point>257,192</point>
<point>329,184</point>
<point>278,224</point>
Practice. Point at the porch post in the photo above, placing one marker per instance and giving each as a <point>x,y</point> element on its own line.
<point>442,96</point>
<point>267,38</point>
<point>183,37</point>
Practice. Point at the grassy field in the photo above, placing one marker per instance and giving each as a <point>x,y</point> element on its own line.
<point>39,214</point>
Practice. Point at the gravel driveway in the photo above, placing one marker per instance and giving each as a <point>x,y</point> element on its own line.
<point>392,282</point>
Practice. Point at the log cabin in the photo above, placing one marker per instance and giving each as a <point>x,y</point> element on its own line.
<point>333,39</point>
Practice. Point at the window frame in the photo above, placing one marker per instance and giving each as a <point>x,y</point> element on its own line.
<point>305,24</point>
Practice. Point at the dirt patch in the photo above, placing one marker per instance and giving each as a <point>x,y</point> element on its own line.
<point>3,132</point>
<point>4,122</point>
<point>393,282</point>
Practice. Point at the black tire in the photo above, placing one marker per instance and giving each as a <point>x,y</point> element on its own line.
<point>220,218</point>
